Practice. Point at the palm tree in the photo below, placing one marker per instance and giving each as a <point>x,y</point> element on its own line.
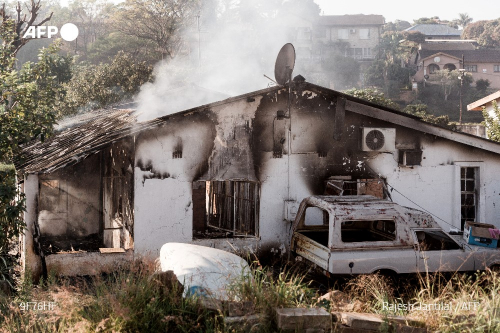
<point>463,20</point>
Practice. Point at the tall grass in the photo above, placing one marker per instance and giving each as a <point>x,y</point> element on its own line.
<point>125,301</point>
<point>462,302</point>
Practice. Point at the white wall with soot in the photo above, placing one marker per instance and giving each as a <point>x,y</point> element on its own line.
<point>435,184</point>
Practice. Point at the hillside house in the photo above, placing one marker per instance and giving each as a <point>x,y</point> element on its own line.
<point>480,63</point>
<point>361,32</point>
<point>230,174</point>
<point>436,31</point>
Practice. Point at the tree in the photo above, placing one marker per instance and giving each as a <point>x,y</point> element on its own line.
<point>451,81</point>
<point>482,85</point>
<point>160,21</point>
<point>463,20</point>
<point>426,20</point>
<point>372,96</point>
<point>398,25</point>
<point>492,122</point>
<point>486,33</point>
<point>27,96</point>
<point>95,86</point>
<point>394,50</point>
<point>21,23</point>
<point>420,110</point>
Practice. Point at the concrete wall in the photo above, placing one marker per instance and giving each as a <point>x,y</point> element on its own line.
<point>30,261</point>
<point>239,140</point>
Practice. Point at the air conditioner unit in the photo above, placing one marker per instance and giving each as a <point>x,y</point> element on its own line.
<point>378,139</point>
<point>352,31</point>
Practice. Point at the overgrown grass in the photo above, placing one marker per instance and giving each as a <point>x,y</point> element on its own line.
<point>265,291</point>
<point>124,301</point>
<point>131,300</point>
<point>463,302</point>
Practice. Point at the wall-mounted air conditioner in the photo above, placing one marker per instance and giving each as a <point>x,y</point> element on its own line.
<point>378,139</point>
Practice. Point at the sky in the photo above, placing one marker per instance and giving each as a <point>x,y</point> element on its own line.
<point>410,10</point>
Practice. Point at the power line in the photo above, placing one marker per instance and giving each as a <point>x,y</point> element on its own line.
<point>413,202</point>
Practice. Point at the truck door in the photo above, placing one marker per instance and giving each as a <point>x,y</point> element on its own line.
<point>438,252</point>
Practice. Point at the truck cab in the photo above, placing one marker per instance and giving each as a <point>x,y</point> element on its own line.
<point>365,234</point>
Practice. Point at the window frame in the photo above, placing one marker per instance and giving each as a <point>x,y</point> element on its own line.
<point>368,34</point>
<point>342,34</point>
<point>496,68</point>
<point>480,195</point>
<point>471,68</point>
<point>233,198</point>
<point>377,242</point>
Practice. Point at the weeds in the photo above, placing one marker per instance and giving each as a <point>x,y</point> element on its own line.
<point>124,301</point>
<point>131,300</point>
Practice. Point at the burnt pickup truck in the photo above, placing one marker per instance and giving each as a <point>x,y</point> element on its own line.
<point>364,234</point>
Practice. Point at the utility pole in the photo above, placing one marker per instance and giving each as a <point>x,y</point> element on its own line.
<point>199,40</point>
<point>461,78</point>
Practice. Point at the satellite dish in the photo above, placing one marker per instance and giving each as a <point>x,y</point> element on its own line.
<point>284,64</point>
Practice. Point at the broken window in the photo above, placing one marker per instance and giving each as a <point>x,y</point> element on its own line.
<point>345,185</point>
<point>468,194</point>
<point>368,231</point>
<point>231,208</point>
<point>315,216</point>
<point>410,157</point>
<point>435,240</point>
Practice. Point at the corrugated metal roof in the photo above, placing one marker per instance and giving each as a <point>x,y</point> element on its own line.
<point>351,20</point>
<point>470,56</point>
<point>435,30</point>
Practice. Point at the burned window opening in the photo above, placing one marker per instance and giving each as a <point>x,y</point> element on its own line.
<point>177,152</point>
<point>468,195</point>
<point>231,209</point>
<point>410,157</point>
<point>322,154</point>
<point>345,185</point>
<point>368,231</point>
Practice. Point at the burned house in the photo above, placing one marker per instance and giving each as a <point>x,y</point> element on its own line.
<point>230,174</point>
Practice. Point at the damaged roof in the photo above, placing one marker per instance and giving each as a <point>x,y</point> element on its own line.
<point>74,139</point>
<point>83,135</point>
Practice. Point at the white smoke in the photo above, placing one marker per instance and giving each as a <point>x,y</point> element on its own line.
<point>235,55</point>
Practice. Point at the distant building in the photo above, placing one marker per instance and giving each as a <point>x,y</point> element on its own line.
<point>437,55</point>
<point>486,102</point>
<point>436,31</point>
<point>362,32</point>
